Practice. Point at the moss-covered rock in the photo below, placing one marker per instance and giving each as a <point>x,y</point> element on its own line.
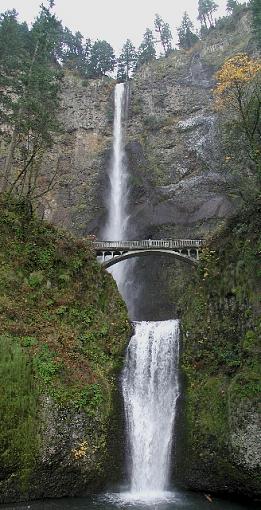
<point>219,449</point>
<point>63,332</point>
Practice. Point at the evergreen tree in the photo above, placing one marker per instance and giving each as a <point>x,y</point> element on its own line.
<point>127,61</point>
<point>255,6</point>
<point>232,6</point>
<point>146,51</point>
<point>13,54</point>
<point>31,113</point>
<point>47,34</point>
<point>76,53</point>
<point>206,9</point>
<point>102,59</point>
<point>164,32</point>
<point>187,38</point>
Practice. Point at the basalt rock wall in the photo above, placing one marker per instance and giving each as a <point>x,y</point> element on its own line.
<point>180,178</point>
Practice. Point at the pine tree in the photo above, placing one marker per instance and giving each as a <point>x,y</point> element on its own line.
<point>232,6</point>
<point>147,51</point>
<point>127,61</point>
<point>187,38</point>
<point>165,34</point>
<point>76,53</point>
<point>31,113</point>
<point>13,55</point>
<point>206,9</point>
<point>102,59</point>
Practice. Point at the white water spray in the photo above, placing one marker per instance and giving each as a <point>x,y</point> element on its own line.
<point>150,390</point>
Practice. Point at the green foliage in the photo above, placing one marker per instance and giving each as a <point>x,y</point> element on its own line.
<point>211,417</point>
<point>76,52</point>
<point>187,38</point>
<point>62,307</point>
<point>64,328</point>
<point>18,409</point>
<point>90,398</point>
<point>45,364</point>
<point>154,122</point>
<point>206,9</point>
<point>163,29</point>
<point>36,279</point>
<point>28,341</point>
<point>127,61</point>
<point>30,98</point>
<point>147,51</point>
<point>31,69</point>
<point>221,334</point>
<point>102,59</point>
<point>232,6</point>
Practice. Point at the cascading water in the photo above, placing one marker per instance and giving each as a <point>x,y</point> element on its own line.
<point>117,218</point>
<point>116,226</point>
<point>150,390</point>
<point>150,376</point>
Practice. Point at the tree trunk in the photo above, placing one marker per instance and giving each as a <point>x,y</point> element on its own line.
<point>9,161</point>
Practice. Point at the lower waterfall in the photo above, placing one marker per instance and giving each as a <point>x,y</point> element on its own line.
<point>150,390</point>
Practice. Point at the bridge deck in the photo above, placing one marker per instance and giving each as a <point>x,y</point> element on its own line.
<point>152,244</point>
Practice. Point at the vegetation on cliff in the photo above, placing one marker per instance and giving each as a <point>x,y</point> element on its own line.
<point>63,332</point>
<point>238,99</point>
<point>221,330</point>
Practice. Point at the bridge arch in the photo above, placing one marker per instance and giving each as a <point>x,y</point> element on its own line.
<point>143,253</point>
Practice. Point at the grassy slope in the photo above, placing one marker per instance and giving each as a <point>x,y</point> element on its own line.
<point>63,332</point>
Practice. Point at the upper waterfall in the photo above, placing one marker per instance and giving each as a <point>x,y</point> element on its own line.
<point>115,228</point>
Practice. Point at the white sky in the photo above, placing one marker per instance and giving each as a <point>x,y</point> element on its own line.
<point>112,20</point>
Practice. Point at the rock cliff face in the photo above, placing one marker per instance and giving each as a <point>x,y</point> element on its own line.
<point>81,155</point>
<point>179,179</point>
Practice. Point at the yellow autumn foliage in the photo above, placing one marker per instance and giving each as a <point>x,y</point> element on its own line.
<point>235,78</point>
<point>80,452</point>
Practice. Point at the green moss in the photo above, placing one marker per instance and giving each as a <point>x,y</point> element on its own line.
<point>207,408</point>
<point>221,332</point>
<point>19,440</point>
<point>66,327</point>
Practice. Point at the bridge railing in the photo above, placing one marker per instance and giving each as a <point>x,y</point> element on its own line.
<point>149,243</point>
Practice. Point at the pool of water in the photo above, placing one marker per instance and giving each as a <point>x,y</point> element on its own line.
<point>125,500</point>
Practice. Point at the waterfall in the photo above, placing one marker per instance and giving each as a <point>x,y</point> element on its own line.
<point>150,391</point>
<point>117,217</point>
<point>117,224</point>
<point>150,375</point>
<point>115,229</point>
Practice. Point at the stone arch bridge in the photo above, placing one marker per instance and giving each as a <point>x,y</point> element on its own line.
<point>112,252</point>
